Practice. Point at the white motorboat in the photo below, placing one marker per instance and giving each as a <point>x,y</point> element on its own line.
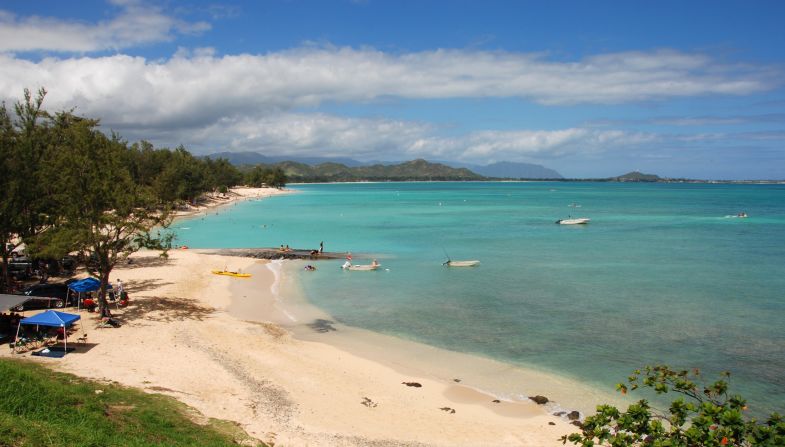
<point>361,267</point>
<point>573,221</point>
<point>451,263</point>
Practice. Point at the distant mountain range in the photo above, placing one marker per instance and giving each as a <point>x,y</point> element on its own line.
<point>407,171</point>
<point>509,169</point>
<point>502,169</point>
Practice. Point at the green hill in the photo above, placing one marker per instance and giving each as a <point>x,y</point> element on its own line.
<point>421,170</point>
<point>636,176</point>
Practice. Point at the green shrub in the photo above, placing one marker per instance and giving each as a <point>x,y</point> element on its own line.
<point>702,416</point>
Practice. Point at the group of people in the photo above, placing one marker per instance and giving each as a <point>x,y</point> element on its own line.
<point>117,295</point>
<point>314,253</point>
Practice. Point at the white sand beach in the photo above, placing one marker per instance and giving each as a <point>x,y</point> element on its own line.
<point>212,201</point>
<point>178,338</point>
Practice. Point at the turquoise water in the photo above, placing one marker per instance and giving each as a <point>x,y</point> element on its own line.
<point>661,274</point>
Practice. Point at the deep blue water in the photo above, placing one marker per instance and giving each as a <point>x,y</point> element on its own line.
<point>662,273</point>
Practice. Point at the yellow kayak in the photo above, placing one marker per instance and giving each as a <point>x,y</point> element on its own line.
<point>235,274</point>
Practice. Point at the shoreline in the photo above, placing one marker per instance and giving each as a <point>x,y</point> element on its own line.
<point>179,338</point>
<point>214,201</point>
<point>182,336</point>
<point>292,311</point>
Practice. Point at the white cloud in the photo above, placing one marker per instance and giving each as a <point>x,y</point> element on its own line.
<point>136,24</point>
<point>199,88</point>
<point>315,134</point>
<point>492,146</point>
<point>382,139</point>
<point>271,102</point>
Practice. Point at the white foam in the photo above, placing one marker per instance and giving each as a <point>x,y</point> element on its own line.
<point>275,267</point>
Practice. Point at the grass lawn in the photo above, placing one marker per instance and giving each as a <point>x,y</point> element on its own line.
<point>41,407</point>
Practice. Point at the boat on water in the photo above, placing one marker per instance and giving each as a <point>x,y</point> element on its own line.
<point>234,274</point>
<point>573,221</point>
<point>451,263</point>
<point>361,267</point>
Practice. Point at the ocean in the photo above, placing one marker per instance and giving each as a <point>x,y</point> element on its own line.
<point>663,273</point>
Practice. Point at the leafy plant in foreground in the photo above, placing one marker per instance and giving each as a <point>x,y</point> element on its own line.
<point>703,415</point>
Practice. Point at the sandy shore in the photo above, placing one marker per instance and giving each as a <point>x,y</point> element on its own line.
<point>179,339</point>
<point>211,201</point>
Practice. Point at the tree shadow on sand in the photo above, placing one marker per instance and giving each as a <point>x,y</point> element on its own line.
<point>144,261</point>
<point>166,310</point>
<point>144,285</point>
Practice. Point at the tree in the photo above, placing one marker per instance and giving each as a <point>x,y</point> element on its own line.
<point>259,176</point>
<point>182,178</point>
<point>222,174</point>
<point>8,217</point>
<point>101,209</point>
<point>275,178</point>
<point>23,143</point>
<point>709,417</point>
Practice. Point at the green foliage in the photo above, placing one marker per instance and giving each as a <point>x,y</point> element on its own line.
<point>66,186</point>
<point>23,142</point>
<point>100,208</point>
<point>221,174</point>
<point>709,416</point>
<point>260,176</point>
<point>41,407</point>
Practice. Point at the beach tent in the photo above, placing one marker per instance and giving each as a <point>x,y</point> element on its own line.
<point>86,285</point>
<point>51,318</point>
<point>8,302</point>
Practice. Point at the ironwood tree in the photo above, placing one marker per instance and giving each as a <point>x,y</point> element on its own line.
<point>703,414</point>
<point>101,211</point>
<point>23,142</point>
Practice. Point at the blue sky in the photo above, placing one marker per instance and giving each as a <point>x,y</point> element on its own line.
<point>591,89</point>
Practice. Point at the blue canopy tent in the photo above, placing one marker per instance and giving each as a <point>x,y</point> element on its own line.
<point>51,318</point>
<point>86,285</point>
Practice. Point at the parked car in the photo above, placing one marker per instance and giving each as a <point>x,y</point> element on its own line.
<point>20,269</point>
<point>68,263</point>
<point>44,296</point>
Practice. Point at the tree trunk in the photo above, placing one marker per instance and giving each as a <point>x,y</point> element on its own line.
<point>103,273</point>
<point>5,281</point>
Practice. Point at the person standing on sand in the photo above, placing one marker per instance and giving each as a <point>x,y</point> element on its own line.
<point>321,247</point>
<point>120,290</point>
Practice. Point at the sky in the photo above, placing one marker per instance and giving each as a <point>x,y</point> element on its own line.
<point>690,89</point>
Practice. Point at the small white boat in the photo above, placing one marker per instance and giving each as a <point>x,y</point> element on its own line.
<point>451,263</point>
<point>361,267</point>
<point>575,221</point>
